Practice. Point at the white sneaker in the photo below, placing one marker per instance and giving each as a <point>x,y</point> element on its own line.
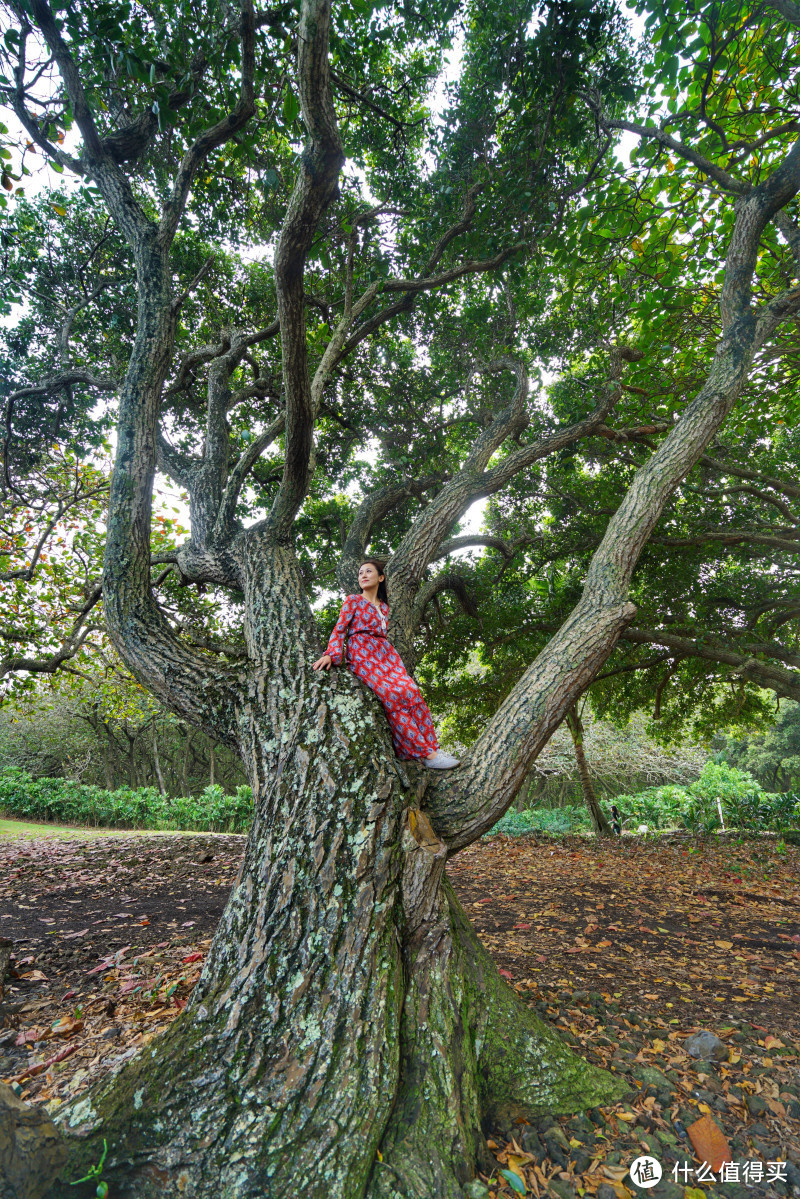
<point>440,761</point>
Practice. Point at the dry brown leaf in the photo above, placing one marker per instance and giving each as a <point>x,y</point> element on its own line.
<point>709,1142</point>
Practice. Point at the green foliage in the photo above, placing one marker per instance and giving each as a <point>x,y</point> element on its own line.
<point>697,807</point>
<point>771,755</point>
<point>556,821</point>
<point>68,802</point>
<point>744,805</point>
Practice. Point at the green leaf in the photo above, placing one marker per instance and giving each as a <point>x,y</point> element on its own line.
<point>290,107</point>
<point>514,1181</point>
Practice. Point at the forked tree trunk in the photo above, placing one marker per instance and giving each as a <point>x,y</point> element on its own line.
<point>599,822</point>
<point>346,1005</point>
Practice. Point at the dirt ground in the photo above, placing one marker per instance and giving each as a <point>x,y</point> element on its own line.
<point>628,947</point>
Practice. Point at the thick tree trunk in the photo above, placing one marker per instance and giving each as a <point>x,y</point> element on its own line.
<point>346,1005</point>
<point>599,822</point>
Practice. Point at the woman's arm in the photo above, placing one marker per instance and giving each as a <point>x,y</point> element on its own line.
<point>335,650</point>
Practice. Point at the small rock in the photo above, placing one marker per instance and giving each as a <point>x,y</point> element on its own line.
<point>476,1189</point>
<point>792,1175</point>
<point>758,1130</point>
<point>597,1118</point>
<point>650,1076</point>
<point>755,1105</point>
<point>531,1143</point>
<point>793,1108</point>
<point>555,1136</point>
<point>604,1191</point>
<point>705,1044</point>
<point>560,1189</point>
<point>581,1162</point>
<point>31,1149</point>
<point>666,1189</point>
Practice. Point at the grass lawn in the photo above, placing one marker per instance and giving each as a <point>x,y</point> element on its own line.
<point>62,832</point>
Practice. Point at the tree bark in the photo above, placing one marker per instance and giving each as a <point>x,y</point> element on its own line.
<point>599,822</point>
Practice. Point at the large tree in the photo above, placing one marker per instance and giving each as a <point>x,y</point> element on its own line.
<point>346,1003</point>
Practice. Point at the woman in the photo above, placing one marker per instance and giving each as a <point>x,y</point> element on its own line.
<point>374,660</point>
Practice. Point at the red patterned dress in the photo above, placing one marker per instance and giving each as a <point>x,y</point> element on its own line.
<point>374,660</point>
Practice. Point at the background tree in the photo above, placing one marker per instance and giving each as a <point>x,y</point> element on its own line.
<point>344,983</point>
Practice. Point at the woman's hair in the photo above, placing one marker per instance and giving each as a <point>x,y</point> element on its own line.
<point>380,566</point>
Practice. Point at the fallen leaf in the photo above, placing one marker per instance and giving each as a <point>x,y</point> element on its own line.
<point>709,1142</point>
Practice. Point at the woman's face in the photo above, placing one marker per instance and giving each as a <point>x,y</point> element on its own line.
<point>368,576</point>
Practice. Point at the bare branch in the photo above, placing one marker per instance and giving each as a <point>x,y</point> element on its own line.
<point>370,513</point>
<point>738,472</point>
<point>187,291</point>
<point>65,379</point>
<point>736,187</point>
<point>789,543</point>
<point>239,473</point>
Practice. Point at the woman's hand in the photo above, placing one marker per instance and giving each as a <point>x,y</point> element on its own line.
<point>323,663</point>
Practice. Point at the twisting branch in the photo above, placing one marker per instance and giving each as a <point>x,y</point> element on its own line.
<point>684,150</point>
<point>783,682</point>
<point>421,543</point>
<point>315,187</point>
<point>424,537</point>
<point>507,548</point>
<point>446,581</point>
<point>470,802</point>
<point>370,513</point>
<point>65,379</point>
<point>223,524</point>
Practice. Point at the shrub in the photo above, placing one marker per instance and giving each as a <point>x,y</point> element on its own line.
<point>557,821</point>
<point>80,803</point>
<point>696,807</point>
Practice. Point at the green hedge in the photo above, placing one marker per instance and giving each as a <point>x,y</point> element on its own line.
<point>744,806</point>
<point>722,794</point>
<point>68,802</point>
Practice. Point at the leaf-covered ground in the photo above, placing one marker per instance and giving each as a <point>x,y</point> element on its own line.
<point>628,947</point>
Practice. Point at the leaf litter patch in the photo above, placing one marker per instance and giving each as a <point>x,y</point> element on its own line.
<point>633,949</point>
<point>628,948</point>
<point>109,937</point>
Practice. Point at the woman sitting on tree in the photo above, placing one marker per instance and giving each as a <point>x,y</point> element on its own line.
<point>374,660</point>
